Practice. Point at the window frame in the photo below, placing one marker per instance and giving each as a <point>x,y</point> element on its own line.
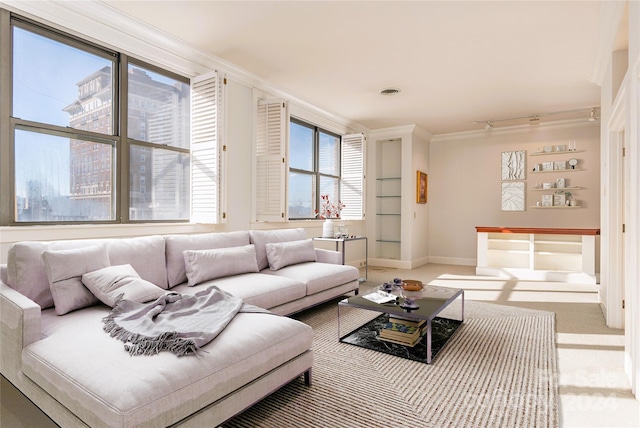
<point>117,135</point>
<point>316,174</point>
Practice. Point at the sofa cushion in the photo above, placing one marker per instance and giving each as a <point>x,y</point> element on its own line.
<point>260,238</point>
<point>281,254</point>
<point>258,289</point>
<point>176,245</point>
<point>146,254</point>
<point>112,283</point>
<point>65,269</point>
<point>204,265</point>
<point>92,375</point>
<point>26,272</point>
<point>317,276</point>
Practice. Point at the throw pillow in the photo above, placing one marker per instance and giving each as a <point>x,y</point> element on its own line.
<point>113,283</point>
<point>261,237</point>
<point>64,270</point>
<point>281,254</point>
<point>176,245</point>
<point>203,265</point>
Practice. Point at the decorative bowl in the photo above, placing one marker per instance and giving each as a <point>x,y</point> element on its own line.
<point>412,285</point>
<point>411,291</point>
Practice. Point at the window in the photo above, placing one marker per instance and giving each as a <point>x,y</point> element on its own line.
<point>318,162</point>
<point>314,168</point>
<point>69,100</point>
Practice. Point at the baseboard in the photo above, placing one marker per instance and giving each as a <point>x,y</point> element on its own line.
<point>452,261</point>
<point>390,263</point>
<point>537,275</point>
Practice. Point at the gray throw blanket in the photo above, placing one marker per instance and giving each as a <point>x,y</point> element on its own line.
<point>174,322</point>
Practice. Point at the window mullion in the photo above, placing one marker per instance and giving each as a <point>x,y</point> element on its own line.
<point>123,149</point>
<point>316,165</point>
<point>7,191</point>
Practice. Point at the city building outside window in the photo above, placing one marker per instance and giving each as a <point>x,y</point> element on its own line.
<point>67,137</point>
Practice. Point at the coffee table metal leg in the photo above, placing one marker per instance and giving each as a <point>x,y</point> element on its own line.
<point>428,341</point>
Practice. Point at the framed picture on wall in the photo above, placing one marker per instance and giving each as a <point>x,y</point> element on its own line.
<point>421,188</point>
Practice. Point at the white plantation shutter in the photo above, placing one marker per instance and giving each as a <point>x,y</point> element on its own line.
<point>270,160</point>
<point>352,176</point>
<point>206,149</point>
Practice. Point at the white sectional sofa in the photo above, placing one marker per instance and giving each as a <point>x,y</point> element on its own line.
<point>55,351</point>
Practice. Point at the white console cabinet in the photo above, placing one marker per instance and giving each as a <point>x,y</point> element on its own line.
<point>567,255</point>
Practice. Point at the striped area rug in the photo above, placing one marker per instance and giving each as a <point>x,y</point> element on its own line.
<point>498,370</point>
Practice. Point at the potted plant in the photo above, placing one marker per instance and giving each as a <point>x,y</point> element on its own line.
<point>570,201</point>
<point>328,211</point>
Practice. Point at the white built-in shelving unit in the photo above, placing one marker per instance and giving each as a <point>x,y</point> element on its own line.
<point>566,255</point>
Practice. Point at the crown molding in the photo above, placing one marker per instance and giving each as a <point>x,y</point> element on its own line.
<point>107,26</point>
<point>512,130</point>
<point>395,131</point>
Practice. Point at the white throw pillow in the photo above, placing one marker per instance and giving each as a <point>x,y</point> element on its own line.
<point>65,269</point>
<point>281,254</point>
<point>203,265</point>
<point>260,238</point>
<point>114,282</point>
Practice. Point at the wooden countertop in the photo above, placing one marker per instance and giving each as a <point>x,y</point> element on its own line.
<point>538,230</point>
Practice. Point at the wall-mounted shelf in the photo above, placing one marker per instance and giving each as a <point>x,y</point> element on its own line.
<point>554,153</point>
<point>556,170</point>
<point>555,207</point>
<point>535,189</point>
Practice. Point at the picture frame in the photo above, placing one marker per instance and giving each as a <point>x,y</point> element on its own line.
<point>559,199</point>
<point>513,165</point>
<point>421,188</point>
<point>559,165</point>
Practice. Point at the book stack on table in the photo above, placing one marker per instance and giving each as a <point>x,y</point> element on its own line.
<point>403,331</point>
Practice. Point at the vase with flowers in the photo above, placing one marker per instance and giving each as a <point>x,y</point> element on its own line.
<point>328,211</point>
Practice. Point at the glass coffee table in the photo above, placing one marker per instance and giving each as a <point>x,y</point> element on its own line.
<point>432,300</point>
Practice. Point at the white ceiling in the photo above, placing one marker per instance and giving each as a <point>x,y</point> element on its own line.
<point>455,61</point>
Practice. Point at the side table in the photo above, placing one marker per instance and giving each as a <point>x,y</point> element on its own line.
<point>344,241</point>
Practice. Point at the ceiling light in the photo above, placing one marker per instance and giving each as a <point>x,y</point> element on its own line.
<point>390,91</point>
<point>534,119</point>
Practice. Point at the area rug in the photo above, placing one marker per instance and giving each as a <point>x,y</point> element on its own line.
<point>498,370</point>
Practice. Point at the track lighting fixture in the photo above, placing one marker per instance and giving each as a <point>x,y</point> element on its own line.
<point>534,119</point>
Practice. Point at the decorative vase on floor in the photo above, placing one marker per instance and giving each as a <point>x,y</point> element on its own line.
<point>327,228</point>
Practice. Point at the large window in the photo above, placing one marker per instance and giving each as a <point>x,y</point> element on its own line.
<point>314,168</point>
<point>79,115</point>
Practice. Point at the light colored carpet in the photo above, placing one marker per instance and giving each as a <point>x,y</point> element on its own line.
<point>498,370</point>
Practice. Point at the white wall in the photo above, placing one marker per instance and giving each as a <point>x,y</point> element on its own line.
<point>465,184</point>
<point>620,278</point>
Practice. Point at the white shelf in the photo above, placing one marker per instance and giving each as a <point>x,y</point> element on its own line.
<point>557,207</point>
<point>388,232</point>
<point>557,170</point>
<point>566,257</point>
<point>555,188</point>
<point>554,153</point>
